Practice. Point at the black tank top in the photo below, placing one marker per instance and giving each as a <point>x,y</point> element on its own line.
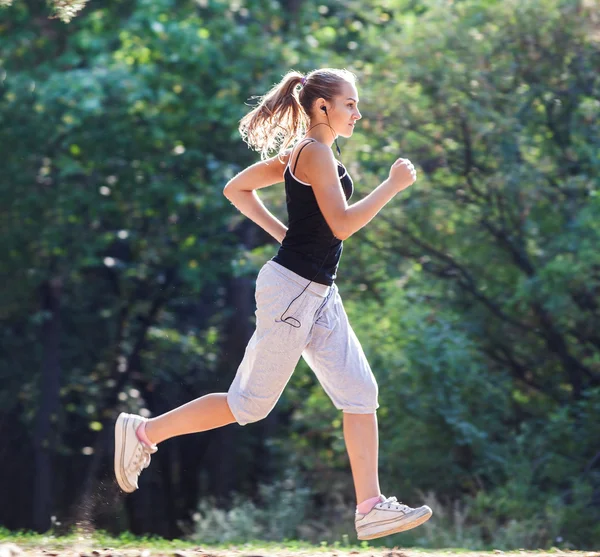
<point>309,248</point>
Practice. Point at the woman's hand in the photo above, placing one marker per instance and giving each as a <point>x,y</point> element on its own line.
<point>402,174</point>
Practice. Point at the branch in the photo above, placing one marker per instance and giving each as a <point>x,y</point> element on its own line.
<point>521,374</point>
<point>468,283</point>
<point>519,257</point>
<point>554,339</point>
<point>592,463</point>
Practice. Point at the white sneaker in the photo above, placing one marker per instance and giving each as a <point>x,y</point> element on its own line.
<point>389,517</point>
<point>131,455</point>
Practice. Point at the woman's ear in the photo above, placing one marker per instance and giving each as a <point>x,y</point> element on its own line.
<point>321,106</point>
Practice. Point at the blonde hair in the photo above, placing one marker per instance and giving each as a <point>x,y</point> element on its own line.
<point>282,115</point>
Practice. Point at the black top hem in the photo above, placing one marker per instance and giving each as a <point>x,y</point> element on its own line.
<point>305,270</point>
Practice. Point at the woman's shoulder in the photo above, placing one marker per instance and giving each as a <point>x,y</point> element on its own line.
<point>315,153</point>
<point>310,156</point>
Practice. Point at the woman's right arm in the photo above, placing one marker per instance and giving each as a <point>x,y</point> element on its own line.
<point>320,168</point>
<point>240,190</point>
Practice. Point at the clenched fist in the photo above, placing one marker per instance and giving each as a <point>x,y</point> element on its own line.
<point>402,174</point>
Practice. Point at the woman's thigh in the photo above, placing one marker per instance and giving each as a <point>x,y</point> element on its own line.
<point>336,356</point>
<point>275,347</point>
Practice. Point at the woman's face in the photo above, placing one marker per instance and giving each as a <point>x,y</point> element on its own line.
<point>343,110</point>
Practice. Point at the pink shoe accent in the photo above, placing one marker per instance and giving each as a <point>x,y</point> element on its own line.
<point>141,435</point>
<point>366,506</point>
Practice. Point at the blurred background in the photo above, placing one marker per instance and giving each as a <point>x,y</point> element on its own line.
<point>128,278</point>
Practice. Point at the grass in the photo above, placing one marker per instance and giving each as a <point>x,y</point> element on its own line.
<point>84,542</point>
<point>100,539</point>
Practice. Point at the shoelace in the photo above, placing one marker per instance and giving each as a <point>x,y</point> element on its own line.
<point>142,457</point>
<point>393,502</point>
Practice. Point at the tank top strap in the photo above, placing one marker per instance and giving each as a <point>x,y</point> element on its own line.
<point>310,140</point>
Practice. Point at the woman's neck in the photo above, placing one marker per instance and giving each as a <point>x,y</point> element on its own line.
<point>322,132</point>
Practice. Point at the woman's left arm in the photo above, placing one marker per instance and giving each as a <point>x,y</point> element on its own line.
<point>240,190</point>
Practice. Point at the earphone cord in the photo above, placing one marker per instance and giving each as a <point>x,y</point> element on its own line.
<point>292,321</point>
<point>337,147</point>
<point>288,320</point>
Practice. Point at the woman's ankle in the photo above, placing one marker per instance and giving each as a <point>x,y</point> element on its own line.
<point>142,435</point>
<point>366,506</point>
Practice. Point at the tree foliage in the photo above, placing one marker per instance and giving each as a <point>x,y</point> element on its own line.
<point>128,277</point>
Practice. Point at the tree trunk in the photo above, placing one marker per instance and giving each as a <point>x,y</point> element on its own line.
<point>45,437</point>
<point>237,332</point>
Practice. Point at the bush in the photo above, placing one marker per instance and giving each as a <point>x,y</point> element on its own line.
<point>276,516</point>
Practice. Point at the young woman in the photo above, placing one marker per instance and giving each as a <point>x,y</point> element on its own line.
<point>299,309</point>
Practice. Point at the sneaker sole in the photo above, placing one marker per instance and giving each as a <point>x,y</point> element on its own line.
<point>120,438</point>
<point>399,527</point>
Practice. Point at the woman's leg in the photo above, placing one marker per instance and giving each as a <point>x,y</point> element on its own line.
<point>335,355</point>
<point>386,516</point>
<point>269,361</point>
<point>362,444</point>
<point>337,358</point>
<point>204,413</point>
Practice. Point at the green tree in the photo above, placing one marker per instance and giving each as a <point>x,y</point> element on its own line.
<point>119,241</point>
<point>476,292</point>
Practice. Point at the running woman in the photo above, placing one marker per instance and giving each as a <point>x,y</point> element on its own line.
<point>299,310</point>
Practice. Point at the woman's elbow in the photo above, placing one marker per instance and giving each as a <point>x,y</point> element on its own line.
<point>227,190</point>
<point>339,227</point>
<point>342,234</point>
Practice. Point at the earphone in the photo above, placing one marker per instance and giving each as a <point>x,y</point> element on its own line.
<point>337,147</point>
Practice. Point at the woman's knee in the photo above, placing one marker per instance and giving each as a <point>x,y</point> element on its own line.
<point>372,395</point>
<point>365,399</point>
<point>247,410</point>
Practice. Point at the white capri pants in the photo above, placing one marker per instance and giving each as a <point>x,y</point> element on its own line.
<point>319,332</point>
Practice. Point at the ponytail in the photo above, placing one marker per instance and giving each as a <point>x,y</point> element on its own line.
<point>278,120</point>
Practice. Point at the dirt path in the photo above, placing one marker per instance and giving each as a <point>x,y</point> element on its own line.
<point>12,550</point>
